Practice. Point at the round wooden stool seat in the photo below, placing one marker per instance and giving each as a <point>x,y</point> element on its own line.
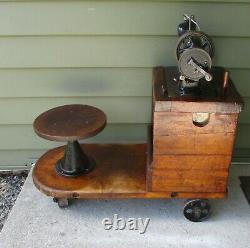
<point>70,123</point>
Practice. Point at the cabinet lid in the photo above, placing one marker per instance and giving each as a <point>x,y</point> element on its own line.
<point>166,95</point>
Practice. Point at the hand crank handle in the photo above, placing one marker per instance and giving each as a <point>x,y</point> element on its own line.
<point>207,75</point>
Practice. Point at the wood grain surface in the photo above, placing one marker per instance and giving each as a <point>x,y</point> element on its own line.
<point>192,163</point>
<point>70,122</point>
<point>188,157</point>
<point>120,173</point>
<point>119,169</point>
<point>219,144</point>
<point>202,184</point>
<point>174,123</point>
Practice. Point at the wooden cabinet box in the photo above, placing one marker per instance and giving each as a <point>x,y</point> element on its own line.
<point>190,154</point>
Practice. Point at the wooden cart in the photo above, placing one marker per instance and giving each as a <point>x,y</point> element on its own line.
<point>188,153</point>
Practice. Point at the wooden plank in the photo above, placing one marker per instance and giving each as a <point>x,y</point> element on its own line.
<point>189,185</point>
<point>120,18</point>
<point>110,179</point>
<point>171,123</point>
<point>118,109</point>
<point>109,51</point>
<point>190,163</point>
<point>75,82</point>
<point>155,195</point>
<point>210,144</point>
<point>116,171</point>
<point>204,107</point>
<point>199,175</point>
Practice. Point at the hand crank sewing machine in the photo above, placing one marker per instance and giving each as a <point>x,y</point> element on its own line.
<point>190,143</point>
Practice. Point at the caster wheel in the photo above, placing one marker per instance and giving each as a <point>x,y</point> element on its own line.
<point>197,210</point>
<point>62,202</point>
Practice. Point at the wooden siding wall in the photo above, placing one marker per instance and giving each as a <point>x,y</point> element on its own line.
<point>101,53</point>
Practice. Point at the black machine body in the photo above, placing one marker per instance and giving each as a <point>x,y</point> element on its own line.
<point>194,52</point>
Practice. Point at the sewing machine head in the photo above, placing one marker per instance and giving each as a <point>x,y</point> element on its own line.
<point>194,53</point>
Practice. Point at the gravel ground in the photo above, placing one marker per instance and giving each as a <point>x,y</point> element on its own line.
<point>10,186</point>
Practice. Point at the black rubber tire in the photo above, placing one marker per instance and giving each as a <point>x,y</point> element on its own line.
<point>197,210</point>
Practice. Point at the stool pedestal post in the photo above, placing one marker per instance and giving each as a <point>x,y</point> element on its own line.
<point>75,162</point>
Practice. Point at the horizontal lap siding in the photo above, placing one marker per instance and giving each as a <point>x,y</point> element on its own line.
<point>93,82</point>
<point>102,53</point>
<point>120,17</point>
<point>30,141</point>
<point>118,109</point>
<point>109,51</point>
